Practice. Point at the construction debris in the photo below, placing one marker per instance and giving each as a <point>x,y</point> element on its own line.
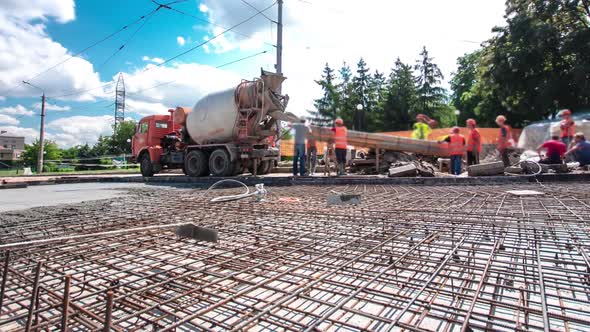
<point>419,258</point>
<point>415,168</point>
<point>487,169</point>
<point>343,199</point>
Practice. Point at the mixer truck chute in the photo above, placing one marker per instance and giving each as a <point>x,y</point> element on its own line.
<point>225,133</point>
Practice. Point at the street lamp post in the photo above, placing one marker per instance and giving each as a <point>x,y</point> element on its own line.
<point>41,130</point>
<point>457,113</point>
<point>359,108</point>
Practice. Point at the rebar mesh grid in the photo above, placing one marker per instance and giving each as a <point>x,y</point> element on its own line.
<point>413,258</point>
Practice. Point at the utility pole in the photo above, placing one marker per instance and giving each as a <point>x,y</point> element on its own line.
<point>41,130</point>
<point>41,136</point>
<point>279,64</point>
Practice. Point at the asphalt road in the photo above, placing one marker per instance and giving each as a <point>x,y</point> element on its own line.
<point>49,195</point>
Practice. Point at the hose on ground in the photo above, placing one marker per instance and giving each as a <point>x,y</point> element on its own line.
<point>539,171</point>
<point>260,192</point>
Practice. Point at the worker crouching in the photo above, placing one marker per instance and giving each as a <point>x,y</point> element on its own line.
<point>340,133</point>
<point>456,149</point>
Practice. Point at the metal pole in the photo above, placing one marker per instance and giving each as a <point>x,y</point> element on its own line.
<point>41,136</point>
<point>279,64</point>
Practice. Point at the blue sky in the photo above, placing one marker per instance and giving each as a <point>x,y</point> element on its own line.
<point>40,33</point>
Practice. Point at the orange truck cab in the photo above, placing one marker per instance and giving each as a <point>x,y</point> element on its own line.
<point>156,136</point>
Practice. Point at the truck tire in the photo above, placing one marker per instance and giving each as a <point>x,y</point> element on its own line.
<point>265,167</point>
<point>220,163</point>
<point>145,165</point>
<point>195,163</point>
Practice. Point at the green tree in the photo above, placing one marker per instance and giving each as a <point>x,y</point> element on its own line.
<point>326,106</point>
<point>361,88</point>
<point>431,96</point>
<point>465,96</point>
<point>50,152</point>
<point>119,140</point>
<point>346,95</point>
<point>400,98</point>
<point>536,64</point>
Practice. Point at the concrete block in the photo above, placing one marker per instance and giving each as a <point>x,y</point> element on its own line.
<point>514,170</point>
<point>401,171</point>
<point>557,168</point>
<point>344,199</point>
<point>488,169</point>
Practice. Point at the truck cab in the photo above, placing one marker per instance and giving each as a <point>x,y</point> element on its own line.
<point>146,145</point>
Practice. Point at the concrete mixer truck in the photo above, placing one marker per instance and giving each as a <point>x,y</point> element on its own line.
<point>224,134</point>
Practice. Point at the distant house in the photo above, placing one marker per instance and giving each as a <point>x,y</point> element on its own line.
<point>11,147</point>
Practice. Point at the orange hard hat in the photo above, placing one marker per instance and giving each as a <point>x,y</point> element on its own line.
<point>455,130</point>
<point>339,121</point>
<point>471,122</point>
<point>565,112</point>
<point>501,118</point>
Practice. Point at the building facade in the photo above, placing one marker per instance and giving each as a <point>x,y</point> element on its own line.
<point>11,147</point>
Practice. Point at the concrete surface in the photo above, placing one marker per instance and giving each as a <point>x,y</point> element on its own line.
<point>48,195</point>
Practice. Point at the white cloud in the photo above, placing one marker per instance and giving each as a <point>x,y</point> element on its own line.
<point>79,129</point>
<point>62,10</point>
<point>26,50</point>
<point>380,31</point>
<point>181,84</point>
<point>180,40</point>
<point>8,120</point>
<point>154,60</point>
<point>29,134</point>
<point>52,107</point>
<point>16,110</point>
<point>203,8</point>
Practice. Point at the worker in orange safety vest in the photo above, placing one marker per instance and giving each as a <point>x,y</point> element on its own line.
<point>473,143</point>
<point>340,133</point>
<point>568,127</point>
<point>504,141</point>
<point>456,149</point>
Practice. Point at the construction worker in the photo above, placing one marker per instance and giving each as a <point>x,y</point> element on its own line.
<point>555,150</point>
<point>302,130</point>
<point>504,141</point>
<point>312,155</point>
<point>340,133</point>
<point>568,127</point>
<point>580,150</point>
<point>421,128</point>
<point>456,149</point>
<point>473,143</point>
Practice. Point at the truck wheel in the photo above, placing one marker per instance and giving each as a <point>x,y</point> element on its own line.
<point>220,163</point>
<point>195,163</point>
<point>146,166</point>
<point>265,167</point>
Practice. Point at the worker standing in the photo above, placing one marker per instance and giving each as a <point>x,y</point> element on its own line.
<point>302,130</point>
<point>505,141</point>
<point>312,155</point>
<point>340,133</point>
<point>568,127</point>
<point>473,143</point>
<point>456,149</point>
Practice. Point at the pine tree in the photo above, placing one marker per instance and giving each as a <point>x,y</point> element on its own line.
<point>326,106</point>
<point>400,100</point>
<point>361,83</point>
<point>431,96</point>
<point>346,94</point>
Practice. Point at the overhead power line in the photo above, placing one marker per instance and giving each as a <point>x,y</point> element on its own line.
<point>215,24</point>
<point>212,38</point>
<point>220,66</point>
<point>259,12</point>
